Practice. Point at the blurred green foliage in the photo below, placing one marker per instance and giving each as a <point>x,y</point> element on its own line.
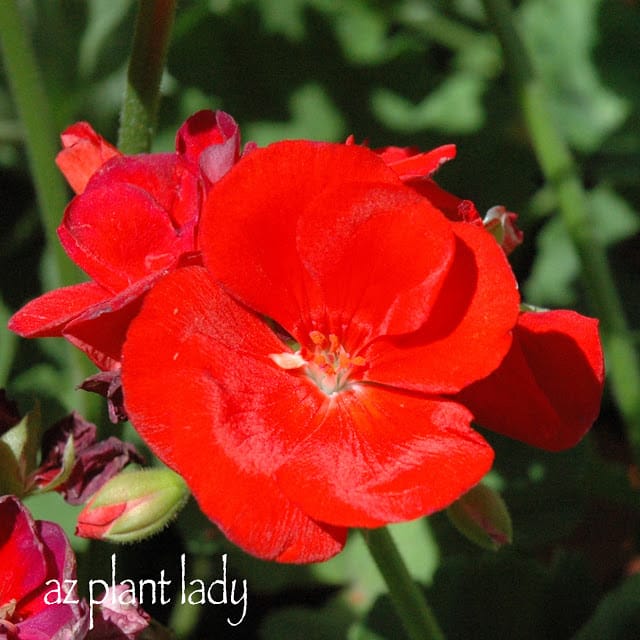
<point>403,72</point>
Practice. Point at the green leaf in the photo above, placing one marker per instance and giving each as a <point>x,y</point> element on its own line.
<point>612,217</point>
<point>453,107</point>
<point>618,615</point>
<point>306,623</point>
<point>562,36</point>
<point>19,451</point>
<point>313,116</point>
<point>103,17</point>
<point>362,33</point>
<point>557,268</point>
<point>546,492</point>
<point>496,595</point>
<point>10,477</point>
<point>381,623</point>
<point>68,460</point>
<point>283,16</point>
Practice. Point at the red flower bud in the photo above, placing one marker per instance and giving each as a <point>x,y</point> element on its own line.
<point>133,506</point>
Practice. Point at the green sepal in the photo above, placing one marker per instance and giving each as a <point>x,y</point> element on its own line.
<point>68,460</point>
<point>19,453</point>
<point>481,515</point>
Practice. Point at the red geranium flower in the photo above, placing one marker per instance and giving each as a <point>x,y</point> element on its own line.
<point>34,556</point>
<point>303,382</point>
<point>133,220</point>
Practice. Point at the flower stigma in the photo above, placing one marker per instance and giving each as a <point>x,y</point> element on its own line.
<point>327,363</point>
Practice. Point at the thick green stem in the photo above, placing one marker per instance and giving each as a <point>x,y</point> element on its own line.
<point>40,137</point>
<point>408,599</point>
<point>148,54</point>
<point>559,168</point>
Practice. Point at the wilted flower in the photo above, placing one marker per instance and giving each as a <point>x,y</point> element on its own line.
<point>117,617</point>
<point>92,462</point>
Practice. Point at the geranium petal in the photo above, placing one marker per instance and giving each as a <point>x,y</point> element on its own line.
<point>169,179</point>
<point>455,208</point>
<point>152,173</point>
<point>47,315</point>
<point>100,330</point>
<point>469,330</point>
<point>547,390</point>
<point>379,258</point>
<point>409,162</point>
<point>60,565</point>
<point>32,554</point>
<point>376,456</point>
<point>118,235</point>
<point>249,220</point>
<point>206,406</point>
<point>83,154</point>
<point>209,140</point>
<point>21,552</point>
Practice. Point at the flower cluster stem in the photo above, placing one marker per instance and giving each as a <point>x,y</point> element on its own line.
<point>560,170</point>
<point>409,601</point>
<point>150,44</point>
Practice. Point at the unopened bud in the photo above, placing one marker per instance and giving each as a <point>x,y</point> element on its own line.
<point>502,225</point>
<point>482,516</point>
<point>133,505</point>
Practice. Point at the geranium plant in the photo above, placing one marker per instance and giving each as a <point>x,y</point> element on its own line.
<point>323,346</point>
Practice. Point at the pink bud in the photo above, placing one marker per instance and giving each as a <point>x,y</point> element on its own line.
<point>133,505</point>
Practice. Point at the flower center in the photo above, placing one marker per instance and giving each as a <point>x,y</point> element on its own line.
<point>325,361</point>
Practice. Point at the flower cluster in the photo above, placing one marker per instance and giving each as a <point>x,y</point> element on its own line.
<point>306,332</point>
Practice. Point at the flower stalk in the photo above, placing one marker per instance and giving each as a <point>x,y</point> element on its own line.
<point>33,107</point>
<point>35,113</point>
<point>559,168</point>
<point>409,601</point>
<point>149,51</point>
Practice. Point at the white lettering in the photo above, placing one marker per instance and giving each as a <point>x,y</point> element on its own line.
<point>57,590</point>
<point>242,599</point>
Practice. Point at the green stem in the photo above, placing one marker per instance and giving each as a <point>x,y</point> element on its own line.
<point>408,599</point>
<point>559,168</point>
<point>8,350</point>
<point>40,137</point>
<point>148,54</point>
<point>33,107</point>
